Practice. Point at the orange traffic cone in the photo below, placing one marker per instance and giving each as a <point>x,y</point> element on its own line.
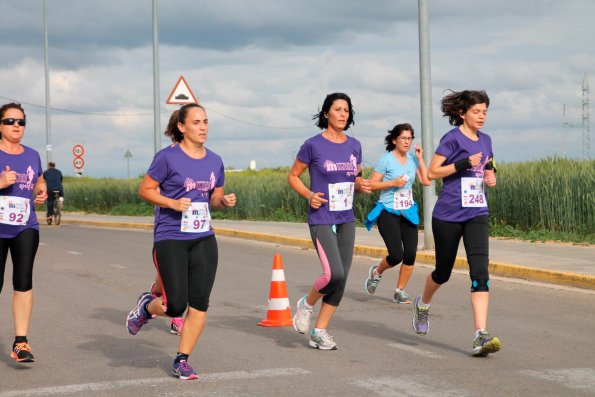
<point>279,314</point>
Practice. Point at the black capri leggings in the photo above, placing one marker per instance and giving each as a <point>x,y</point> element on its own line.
<point>187,271</point>
<point>475,233</point>
<point>23,248</point>
<point>400,237</point>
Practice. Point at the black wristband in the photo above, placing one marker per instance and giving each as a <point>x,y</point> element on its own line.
<point>463,164</point>
<point>359,174</point>
<point>490,166</point>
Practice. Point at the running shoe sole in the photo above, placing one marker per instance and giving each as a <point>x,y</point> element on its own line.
<point>22,360</point>
<point>296,315</point>
<point>319,347</point>
<point>491,347</point>
<point>179,376</point>
<point>366,281</point>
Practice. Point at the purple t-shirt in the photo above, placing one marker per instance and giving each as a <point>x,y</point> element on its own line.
<point>330,163</point>
<point>28,168</point>
<point>180,175</point>
<point>455,146</point>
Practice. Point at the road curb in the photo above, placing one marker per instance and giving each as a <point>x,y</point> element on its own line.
<point>496,268</point>
<point>122,225</point>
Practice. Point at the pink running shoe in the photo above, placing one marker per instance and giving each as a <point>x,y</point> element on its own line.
<point>176,326</point>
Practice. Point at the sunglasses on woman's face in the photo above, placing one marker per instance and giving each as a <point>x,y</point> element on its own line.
<point>11,121</point>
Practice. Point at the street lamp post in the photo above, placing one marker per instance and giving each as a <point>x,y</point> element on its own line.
<point>427,128</point>
<point>48,129</point>
<point>156,108</point>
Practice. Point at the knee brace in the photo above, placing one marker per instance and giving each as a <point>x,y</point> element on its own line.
<point>480,285</point>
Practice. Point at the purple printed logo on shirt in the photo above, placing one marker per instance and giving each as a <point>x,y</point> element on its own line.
<point>25,181</point>
<point>478,169</point>
<point>204,187</point>
<point>331,166</point>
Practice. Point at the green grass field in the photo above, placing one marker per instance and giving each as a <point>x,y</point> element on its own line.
<point>550,199</point>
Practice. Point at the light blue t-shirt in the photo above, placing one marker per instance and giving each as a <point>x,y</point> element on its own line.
<point>392,169</point>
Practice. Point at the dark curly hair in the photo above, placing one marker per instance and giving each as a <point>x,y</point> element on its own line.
<point>457,103</point>
<point>395,133</point>
<point>320,117</point>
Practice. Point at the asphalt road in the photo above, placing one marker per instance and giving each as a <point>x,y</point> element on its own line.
<point>87,280</point>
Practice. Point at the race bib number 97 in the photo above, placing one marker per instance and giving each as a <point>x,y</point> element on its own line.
<point>196,219</point>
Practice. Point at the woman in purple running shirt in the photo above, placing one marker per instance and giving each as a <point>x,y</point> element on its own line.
<point>21,187</point>
<point>333,160</point>
<point>186,181</point>
<point>464,162</point>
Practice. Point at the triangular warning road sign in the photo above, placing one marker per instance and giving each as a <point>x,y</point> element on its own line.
<point>181,94</point>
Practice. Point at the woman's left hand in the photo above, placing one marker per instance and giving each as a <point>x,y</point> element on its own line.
<point>40,197</point>
<point>229,200</point>
<point>419,152</point>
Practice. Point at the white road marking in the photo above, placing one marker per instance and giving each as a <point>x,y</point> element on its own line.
<point>415,350</point>
<point>74,252</point>
<point>410,386</point>
<point>118,266</point>
<point>573,378</point>
<point>151,382</point>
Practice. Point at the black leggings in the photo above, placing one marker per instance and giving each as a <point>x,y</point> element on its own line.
<point>187,271</point>
<point>400,237</point>
<point>475,233</point>
<point>23,248</point>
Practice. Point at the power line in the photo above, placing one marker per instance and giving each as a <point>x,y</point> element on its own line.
<point>77,111</point>
<point>150,114</point>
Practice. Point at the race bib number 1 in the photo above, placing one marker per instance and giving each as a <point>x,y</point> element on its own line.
<point>14,210</point>
<point>341,196</point>
<point>472,193</point>
<point>196,219</point>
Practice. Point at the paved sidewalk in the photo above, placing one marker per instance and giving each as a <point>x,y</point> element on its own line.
<point>561,264</point>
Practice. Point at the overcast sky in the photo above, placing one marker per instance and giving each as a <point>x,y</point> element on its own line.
<point>262,69</point>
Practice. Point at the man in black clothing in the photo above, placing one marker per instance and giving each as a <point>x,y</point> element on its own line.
<point>53,180</point>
